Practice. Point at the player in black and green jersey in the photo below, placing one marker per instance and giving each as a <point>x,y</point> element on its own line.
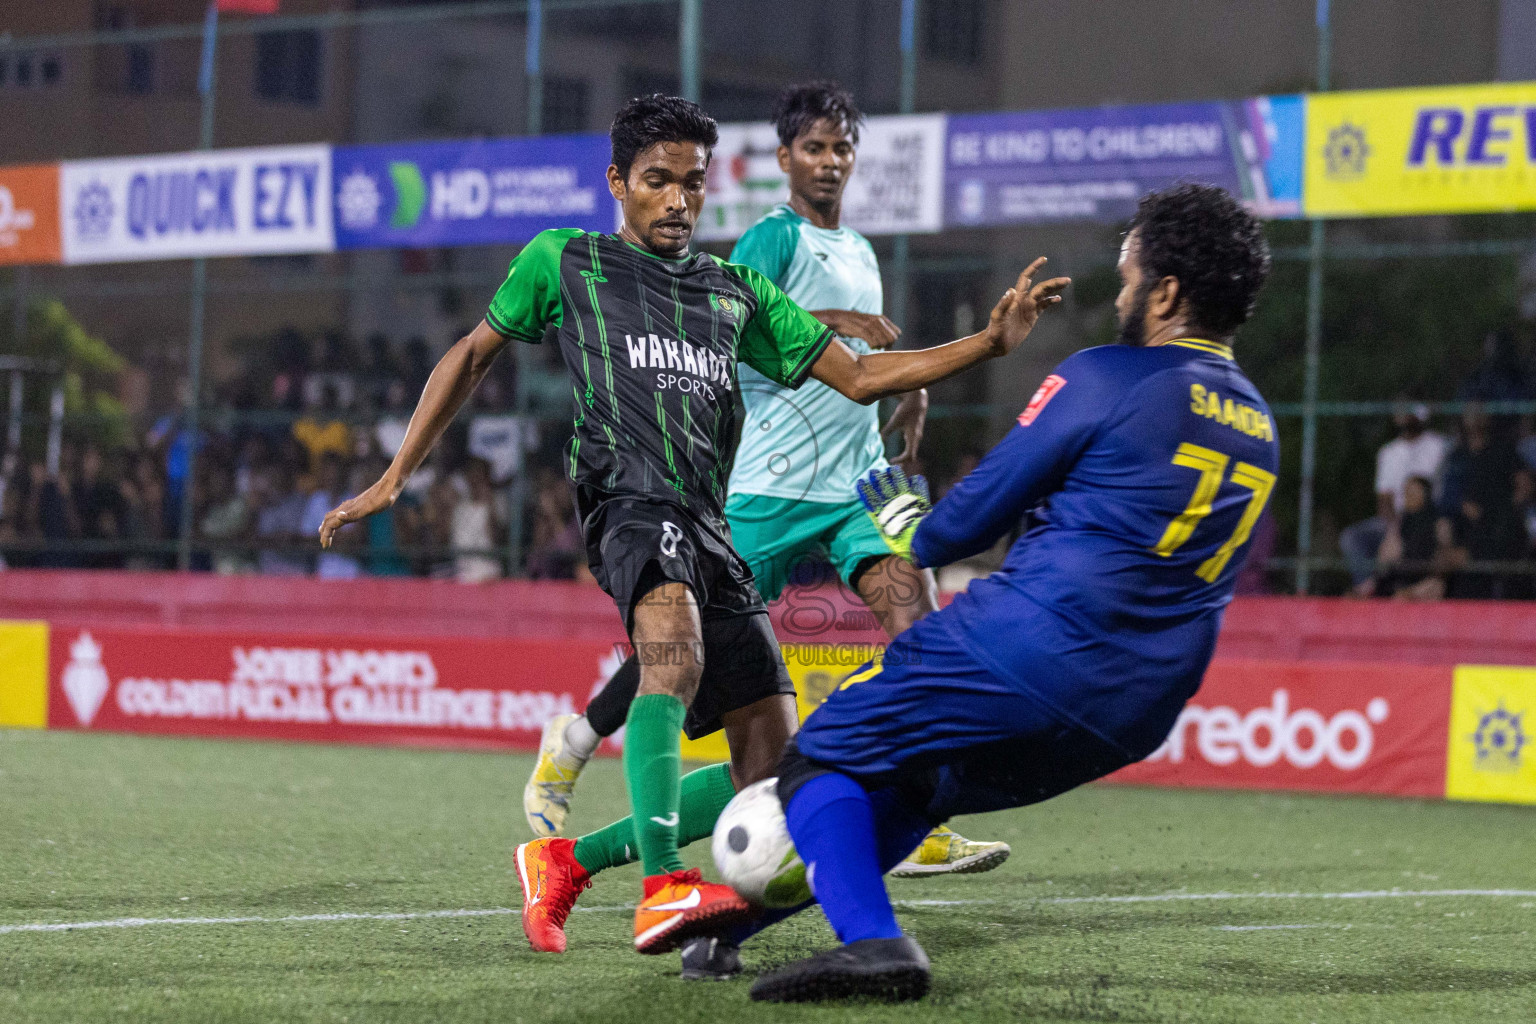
<point>650,334</point>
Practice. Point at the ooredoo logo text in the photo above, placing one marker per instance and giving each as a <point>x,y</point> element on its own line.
<point>1304,737</point>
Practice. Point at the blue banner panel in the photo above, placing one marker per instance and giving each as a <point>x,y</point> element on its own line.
<point>1095,163</point>
<point>479,192</point>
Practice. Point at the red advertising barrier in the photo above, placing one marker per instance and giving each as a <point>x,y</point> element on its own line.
<point>1269,628</point>
<point>1351,727</point>
<point>425,691</point>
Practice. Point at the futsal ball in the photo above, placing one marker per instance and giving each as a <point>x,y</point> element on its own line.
<point>753,850</point>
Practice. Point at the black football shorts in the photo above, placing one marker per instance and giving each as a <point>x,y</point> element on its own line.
<point>637,545</point>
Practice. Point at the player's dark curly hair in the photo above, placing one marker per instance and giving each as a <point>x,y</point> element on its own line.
<point>647,120</point>
<point>801,106</point>
<point>1204,237</point>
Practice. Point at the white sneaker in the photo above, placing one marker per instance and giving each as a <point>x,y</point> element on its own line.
<point>547,797</point>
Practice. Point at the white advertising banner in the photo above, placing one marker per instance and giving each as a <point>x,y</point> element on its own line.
<point>897,185</point>
<point>226,202</point>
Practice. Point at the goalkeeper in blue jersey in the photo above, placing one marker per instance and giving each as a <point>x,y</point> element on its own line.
<point>1143,467</point>
<point>791,495</point>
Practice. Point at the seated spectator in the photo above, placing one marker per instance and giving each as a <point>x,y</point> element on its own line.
<point>333,563</point>
<point>226,524</point>
<point>53,509</point>
<point>170,439</point>
<point>497,436</point>
<point>99,510</point>
<point>279,522</point>
<point>255,455</point>
<point>556,551</point>
<point>389,430</point>
<point>144,514</point>
<point>321,429</point>
<point>1406,562</point>
<point>438,507</point>
<point>1499,532</point>
<point>13,523</point>
<point>478,526</point>
<point>1526,446</point>
<point>1415,451</point>
<point>389,530</point>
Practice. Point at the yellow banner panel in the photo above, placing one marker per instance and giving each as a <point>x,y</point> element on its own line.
<point>1492,755</point>
<point>24,675</point>
<point>815,669</point>
<point>1461,149</point>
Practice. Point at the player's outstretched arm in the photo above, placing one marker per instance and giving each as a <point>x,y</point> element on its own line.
<point>869,377</point>
<point>452,381</point>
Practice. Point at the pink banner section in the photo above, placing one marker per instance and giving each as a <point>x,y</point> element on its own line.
<point>1347,727</point>
<point>351,689</point>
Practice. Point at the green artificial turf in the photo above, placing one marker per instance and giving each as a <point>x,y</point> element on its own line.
<point>100,827</point>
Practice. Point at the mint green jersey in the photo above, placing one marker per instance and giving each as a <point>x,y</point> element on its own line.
<point>811,444</point>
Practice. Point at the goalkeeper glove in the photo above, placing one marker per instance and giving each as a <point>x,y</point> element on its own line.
<point>896,504</point>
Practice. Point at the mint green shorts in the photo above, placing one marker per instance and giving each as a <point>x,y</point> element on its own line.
<point>774,535</point>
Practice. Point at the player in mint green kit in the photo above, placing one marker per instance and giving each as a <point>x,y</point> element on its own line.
<point>792,492</point>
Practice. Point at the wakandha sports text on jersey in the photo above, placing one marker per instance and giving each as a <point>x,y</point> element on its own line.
<point>651,344</point>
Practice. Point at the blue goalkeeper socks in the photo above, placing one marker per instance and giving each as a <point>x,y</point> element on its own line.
<point>898,828</point>
<point>898,831</point>
<point>833,825</point>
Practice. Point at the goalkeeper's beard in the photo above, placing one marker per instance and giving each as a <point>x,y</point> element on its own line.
<point>1133,327</point>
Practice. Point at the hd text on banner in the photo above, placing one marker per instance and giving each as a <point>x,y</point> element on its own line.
<point>481,192</point>
<point>1031,167</point>
<point>229,202</point>
<point>1461,149</point>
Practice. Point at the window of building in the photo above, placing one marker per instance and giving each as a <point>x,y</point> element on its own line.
<point>565,104</point>
<point>30,70</point>
<point>139,77</point>
<point>288,67</point>
<point>953,30</point>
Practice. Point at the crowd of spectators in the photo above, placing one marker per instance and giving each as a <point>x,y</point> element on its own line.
<point>293,436</point>
<point>1447,507</point>
<point>284,445</point>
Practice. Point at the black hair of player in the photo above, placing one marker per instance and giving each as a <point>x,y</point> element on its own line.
<point>646,120</point>
<point>1215,247</point>
<point>800,106</point>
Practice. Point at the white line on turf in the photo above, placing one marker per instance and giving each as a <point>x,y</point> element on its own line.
<point>1170,897</point>
<point>1276,927</point>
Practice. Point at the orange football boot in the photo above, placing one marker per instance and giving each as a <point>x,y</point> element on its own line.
<point>551,879</point>
<point>679,906</point>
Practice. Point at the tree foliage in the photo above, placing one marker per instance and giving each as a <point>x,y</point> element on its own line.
<point>89,368</point>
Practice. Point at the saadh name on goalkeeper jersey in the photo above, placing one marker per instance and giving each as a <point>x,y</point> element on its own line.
<point>1144,471</point>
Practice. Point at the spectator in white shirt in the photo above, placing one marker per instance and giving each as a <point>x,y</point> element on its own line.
<point>1415,451</point>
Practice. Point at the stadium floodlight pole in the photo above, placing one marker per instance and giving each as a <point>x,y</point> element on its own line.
<point>901,250</point>
<point>19,288</point>
<point>518,492</point>
<point>688,49</point>
<point>1314,342</point>
<point>205,85</point>
<point>534,59</point>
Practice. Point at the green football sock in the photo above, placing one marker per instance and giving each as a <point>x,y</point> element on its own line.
<point>704,794</point>
<point>652,766</point>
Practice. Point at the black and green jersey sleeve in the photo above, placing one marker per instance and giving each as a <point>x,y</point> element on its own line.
<point>781,341</point>
<point>529,299</point>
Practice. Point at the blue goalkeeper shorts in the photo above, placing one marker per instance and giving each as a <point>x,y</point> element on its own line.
<point>928,713</point>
